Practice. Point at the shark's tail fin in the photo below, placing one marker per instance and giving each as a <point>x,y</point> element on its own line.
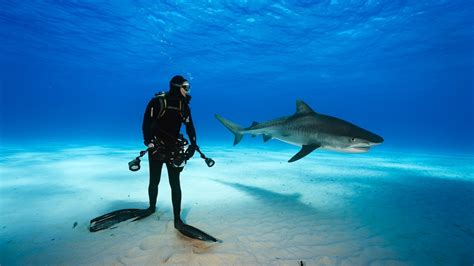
<point>234,128</point>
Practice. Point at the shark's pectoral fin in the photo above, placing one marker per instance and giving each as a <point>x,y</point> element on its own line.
<point>305,150</point>
<point>266,137</point>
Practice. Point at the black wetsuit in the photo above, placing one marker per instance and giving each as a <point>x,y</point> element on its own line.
<point>167,128</point>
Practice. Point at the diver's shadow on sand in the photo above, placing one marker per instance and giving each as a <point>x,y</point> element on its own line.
<point>286,202</point>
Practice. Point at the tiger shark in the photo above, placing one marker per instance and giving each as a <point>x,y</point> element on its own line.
<point>310,130</point>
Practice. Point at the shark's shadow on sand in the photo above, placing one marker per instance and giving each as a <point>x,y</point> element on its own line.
<point>286,202</point>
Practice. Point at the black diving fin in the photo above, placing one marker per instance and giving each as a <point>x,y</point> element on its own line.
<point>113,218</point>
<point>193,232</point>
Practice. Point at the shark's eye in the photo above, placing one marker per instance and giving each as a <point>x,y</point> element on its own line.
<point>353,139</point>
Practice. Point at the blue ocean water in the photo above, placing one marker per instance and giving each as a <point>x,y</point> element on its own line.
<point>80,73</point>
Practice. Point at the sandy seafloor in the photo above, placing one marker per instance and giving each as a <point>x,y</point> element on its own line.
<point>378,208</point>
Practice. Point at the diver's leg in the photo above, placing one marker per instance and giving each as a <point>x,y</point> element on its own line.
<point>173,175</point>
<point>155,176</point>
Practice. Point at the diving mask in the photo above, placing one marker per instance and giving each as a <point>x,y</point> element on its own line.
<point>185,86</point>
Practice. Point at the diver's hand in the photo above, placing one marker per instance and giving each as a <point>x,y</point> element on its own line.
<point>190,151</point>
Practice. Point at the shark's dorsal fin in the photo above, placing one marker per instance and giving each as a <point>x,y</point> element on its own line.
<point>303,108</point>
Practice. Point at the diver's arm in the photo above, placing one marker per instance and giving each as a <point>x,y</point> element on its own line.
<point>151,111</point>
<point>190,130</point>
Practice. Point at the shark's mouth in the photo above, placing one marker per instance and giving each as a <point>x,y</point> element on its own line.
<point>361,148</point>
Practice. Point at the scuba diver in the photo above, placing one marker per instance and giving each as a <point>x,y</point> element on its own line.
<point>162,121</point>
<point>164,115</point>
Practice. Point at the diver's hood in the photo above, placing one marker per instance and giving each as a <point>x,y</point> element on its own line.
<point>175,94</point>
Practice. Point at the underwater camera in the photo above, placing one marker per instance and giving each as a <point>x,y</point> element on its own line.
<point>176,158</point>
